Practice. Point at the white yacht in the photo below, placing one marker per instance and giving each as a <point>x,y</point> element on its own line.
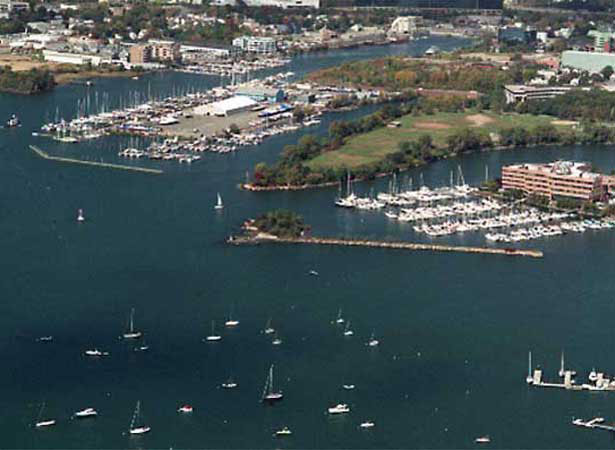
<point>96,352</point>
<point>483,440</point>
<point>213,337</point>
<point>367,424</point>
<point>348,387</point>
<point>340,408</point>
<point>284,432</point>
<point>86,413</point>
<point>229,384</point>
<point>185,409</point>
<point>136,427</point>
<point>593,376</point>
<point>373,342</point>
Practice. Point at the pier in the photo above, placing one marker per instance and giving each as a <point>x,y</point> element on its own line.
<point>46,155</point>
<point>399,245</point>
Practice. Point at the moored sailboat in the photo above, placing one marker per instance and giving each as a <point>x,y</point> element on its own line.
<point>131,333</point>
<point>136,427</point>
<point>219,205</point>
<point>42,423</point>
<point>270,395</point>
<point>213,337</point>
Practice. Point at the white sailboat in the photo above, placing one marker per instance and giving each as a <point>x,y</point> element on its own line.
<point>340,319</point>
<point>276,340</point>
<point>42,423</point>
<point>373,342</point>
<point>86,413</point>
<point>213,336</point>
<point>347,330</point>
<point>136,427</point>
<point>562,371</point>
<point>219,205</point>
<point>131,333</point>
<point>231,322</point>
<point>268,328</point>
<point>80,216</point>
<point>270,395</point>
<point>529,379</point>
<point>229,384</point>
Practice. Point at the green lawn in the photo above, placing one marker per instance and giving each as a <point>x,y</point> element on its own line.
<point>375,145</point>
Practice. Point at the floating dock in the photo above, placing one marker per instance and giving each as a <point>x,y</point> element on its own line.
<point>399,245</point>
<point>46,155</point>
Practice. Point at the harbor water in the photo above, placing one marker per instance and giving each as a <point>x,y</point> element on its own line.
<point>454,329</point>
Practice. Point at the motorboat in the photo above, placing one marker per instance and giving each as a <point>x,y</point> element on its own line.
<point>483,440</point>
<point>13,122</point>
<point>96,352</point>
<point>284,432</point>
<point>367,424</point>
<point>185,409</point>
<point>44,339</point>
<point>348,387</point>
<point>340,408</point>
<point>373,342</point>
<point>86,413</point>
<point>229,384</point>
<point>45,423</point>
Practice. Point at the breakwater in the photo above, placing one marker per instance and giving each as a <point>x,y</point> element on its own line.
<point>399,245</point>
<point>46,155</point>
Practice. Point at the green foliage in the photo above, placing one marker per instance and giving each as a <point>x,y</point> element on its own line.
<point>25,82</point>
<point>281,223</point>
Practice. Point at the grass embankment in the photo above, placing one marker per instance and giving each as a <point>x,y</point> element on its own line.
<point>375,145</point>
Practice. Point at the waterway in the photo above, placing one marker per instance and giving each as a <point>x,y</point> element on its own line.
<point>454,329</point>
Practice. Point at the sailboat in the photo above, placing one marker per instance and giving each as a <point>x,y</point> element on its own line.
<point>42,423</point>
<point>529,379</point>
<point>219,204</point>
<point>131,333</point>
<point>229,384</point>
<point>373,342</point>
<point>347,330</point>
<point>340,319</point>
<point>276,340</point>
<point>562,371</point>
<point>269,394</point>
<point>80,216</point>
<point>213,336</point>
<point>231,322</point>
<point>135,426</point>
<point>268,328</point>
<point>86,413</point>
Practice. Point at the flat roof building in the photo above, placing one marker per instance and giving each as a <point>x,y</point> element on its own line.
<point>255,44</point>
<point>227,107</point>
<point>261,93</point>
<point>520,93</point>
<point>140,54</point>
<point>569,179</point>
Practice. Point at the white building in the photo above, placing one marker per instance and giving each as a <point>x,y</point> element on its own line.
<point>11,6</point>
<point>72,58</point>
<point>255,44</point>
<point>405,25</point>
<point>223,108</point>
<point>285,3</point>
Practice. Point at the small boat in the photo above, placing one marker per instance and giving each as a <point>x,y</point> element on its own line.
<point>367,424</point>
<point>268,328</point>
<point>89,83</point>
<point>231,322</point>
<point>219,205</point>
<point>348,387</point>
<point>135,78</point>
<point>13,122</point>
<point>142,348</point>
<point>86,413</point>
<point>373,342</point>
<point>229,384</point>
<point>276,340</point>
<point>313,272</point>
<point>213,337</point>
<point>482,440</point>
<point>270,395</point>
<point>80,217</point>
<point>135,427</point>
<point>283,432</point>
<point>131,333</point>
<point>186,409</point>
<point>593,376</point>
<point>43,423</point>
<point>529,379</point>
<point>340,319</point>
<point>340,408</point>
<point>347,330</point>
<point>96,352</point>
<point>44,339</point>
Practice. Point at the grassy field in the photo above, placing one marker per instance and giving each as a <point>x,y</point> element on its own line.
<point>373,146</point>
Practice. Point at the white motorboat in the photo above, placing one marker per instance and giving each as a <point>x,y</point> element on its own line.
<point>270,395</point>
<point>86,413</point>
<point>186,409</point>
<point>313,272</point>
<point>340,408</point>
<point>136,427</point>
<point>284,432</point>
<point>373,342</point>
<point>483,440</point>
<point>131,333</point>
<point>348,387</point>
<point>229,384</point>
<point>593,376</point>
<point>44,339</point>
<point>213,337</point>
<point>367,424</point>
<point>96,352</point>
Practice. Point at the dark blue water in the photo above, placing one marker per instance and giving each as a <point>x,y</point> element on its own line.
<point>454,329</point>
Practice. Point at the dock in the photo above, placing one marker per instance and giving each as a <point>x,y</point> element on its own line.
<point>398,245</point>
<point>46,155</point>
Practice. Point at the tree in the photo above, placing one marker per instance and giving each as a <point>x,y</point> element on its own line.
<point>607,72</point>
